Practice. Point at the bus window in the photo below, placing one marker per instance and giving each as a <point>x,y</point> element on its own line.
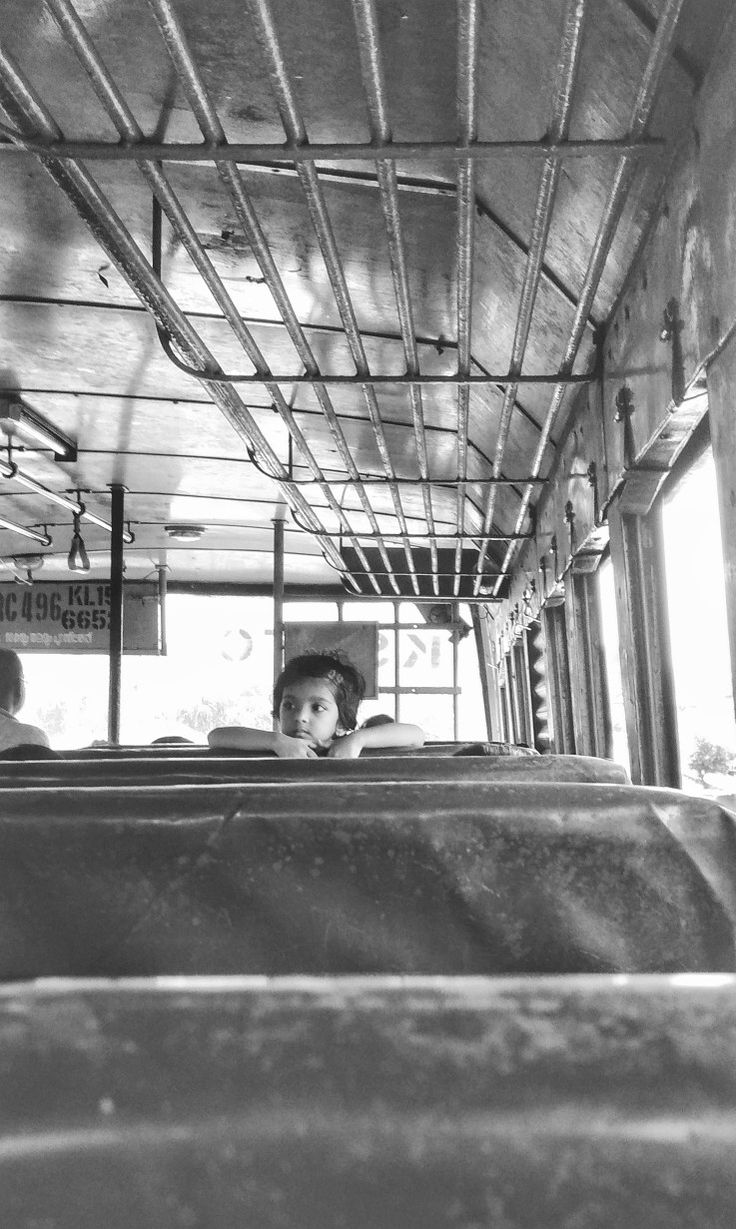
<point>471,719</point>
<point>217,671</point>
<point>428,669</point>
<point>609,631</point>
<point>310,612</point>
<point>66,696</point>
<point>699,631</point>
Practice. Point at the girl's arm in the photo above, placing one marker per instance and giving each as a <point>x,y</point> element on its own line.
<point>241,738</point>
<point>392,734</point>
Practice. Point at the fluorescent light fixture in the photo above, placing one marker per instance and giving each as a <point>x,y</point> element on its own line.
<point>34,534</point>
<point>18,419</point>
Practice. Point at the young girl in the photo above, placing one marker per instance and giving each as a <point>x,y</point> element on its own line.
<point>316,700</point>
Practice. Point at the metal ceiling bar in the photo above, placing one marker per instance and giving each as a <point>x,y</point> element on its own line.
<point>467,109</point>
<point>209,122</point>
<point>682,58</point>
<point>625,171</point>
<point>424,187</point>
<point>36,300</point>
<point>419,186</point>
<point>457,380</point>
<point>366,24</point>
<point>519,406</point>
<point>95,210</point>
<point>260,13</point>
<point>565,75</point>
<point>299,152</point>
<point>25,531</point>
<point>126,124</point>
<point>414,482</point>
<point>452,537</point>
<point>423,575</point>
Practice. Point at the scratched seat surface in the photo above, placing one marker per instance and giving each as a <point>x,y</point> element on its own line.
<point>412,877</point>
<point>323,1103</point>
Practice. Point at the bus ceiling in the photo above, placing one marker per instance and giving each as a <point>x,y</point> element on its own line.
<point>423,283</point>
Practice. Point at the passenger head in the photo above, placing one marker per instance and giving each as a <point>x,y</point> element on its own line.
<point>12,683</point>
<point>377,719</point>
<point>316,696</point>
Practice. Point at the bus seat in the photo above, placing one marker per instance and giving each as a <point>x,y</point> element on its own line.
<point>495,748</point>
<point>166,748</point>
<point>185,770</point>
<point>29,751</point>
<point>387,877</point>
<point>322,1103</point>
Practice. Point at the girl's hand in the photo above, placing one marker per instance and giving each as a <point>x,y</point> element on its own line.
<point>347,748</point>
<point>293,748</point>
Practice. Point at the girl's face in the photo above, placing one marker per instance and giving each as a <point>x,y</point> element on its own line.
<point>308,710</point>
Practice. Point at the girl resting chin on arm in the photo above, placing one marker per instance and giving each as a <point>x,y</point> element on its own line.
<point>316,700</point>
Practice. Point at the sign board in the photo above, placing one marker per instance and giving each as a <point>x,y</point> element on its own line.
<point>74,617</point>
<point>358,642</point>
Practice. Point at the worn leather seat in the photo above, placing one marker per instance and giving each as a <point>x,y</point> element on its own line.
<point>375,877</point>
<point>424,1103</point>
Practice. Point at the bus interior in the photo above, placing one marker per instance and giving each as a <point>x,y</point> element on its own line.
<point>404,327</point>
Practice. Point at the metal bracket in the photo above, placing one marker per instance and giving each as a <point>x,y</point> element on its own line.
<point>526,597</point>
<point>624,404</point>
<point>570,518</point>
<point>542,565</point>
<point>670,332</point>
<point>624,410</point>
<point>592,476</point>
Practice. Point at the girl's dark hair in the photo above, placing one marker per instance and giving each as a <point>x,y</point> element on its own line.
<point>347,683</point>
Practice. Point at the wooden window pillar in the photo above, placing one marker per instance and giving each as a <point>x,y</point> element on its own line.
<point>588,680</point>
<point>563,731</point>
<point>538,686</point>
<point>488,673</point>
<point>722,411</point>
<point>644,644</point>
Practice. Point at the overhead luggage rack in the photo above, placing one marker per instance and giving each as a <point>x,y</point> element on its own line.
<point>320,377</point>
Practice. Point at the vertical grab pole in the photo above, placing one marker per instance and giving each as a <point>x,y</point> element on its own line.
<point>116,611</point>
<point>162,590</point>
<point>278,601</point>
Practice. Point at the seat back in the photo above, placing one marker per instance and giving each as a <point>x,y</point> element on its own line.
<point>400,877</point>
<point>429,1104</point>
<point>183,770</point>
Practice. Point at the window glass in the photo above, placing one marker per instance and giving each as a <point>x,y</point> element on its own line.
<point>433,714</point>
<point>699,632</point>
<point>218,671</point>
<point>425,658</point>
<point>386,658</point>
<point>609,631</point>
<point>386,703</point>
<point>66,696</point>
<point>471,712</point>
<point>409,613</point>
<point>368,612</point>
<point>307,612</point>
